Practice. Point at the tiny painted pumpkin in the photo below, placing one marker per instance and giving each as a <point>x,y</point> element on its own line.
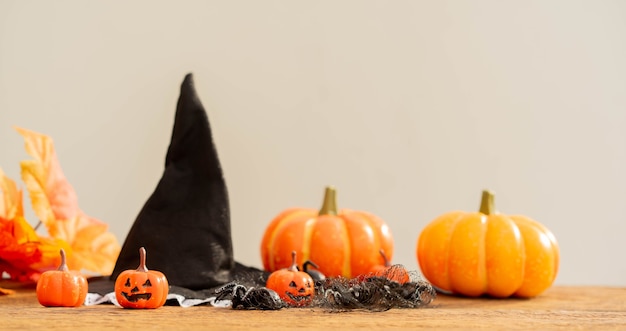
<point>141,288</point>
<point>62,287</point>
<point>488,253</point>
<point>342,242</point>
<point>296,288</point>
<point>396,272</point>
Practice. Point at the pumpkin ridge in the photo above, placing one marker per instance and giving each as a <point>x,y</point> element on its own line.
<point>456,221</point>
<point>503,239</point>
<point>66,283</point>
<point>309,226</point>
<point>279,222</point>
<point>345,237</point>
<point>433,254</point>
<point>360,216</point>
<point>468,275</point>
<point>527,288</point>
<point>161,284</point>
<point>45,287</point>
<point>482,251</point>
<point>266,240</point>
<point>53,298</point>
<point>549,235</point>
<point>74,279</point>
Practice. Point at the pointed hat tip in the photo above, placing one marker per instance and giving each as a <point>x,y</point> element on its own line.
<point>188,85</point>
<point>189,77</point>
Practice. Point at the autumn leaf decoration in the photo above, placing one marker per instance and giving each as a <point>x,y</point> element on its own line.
<point>23,253</point>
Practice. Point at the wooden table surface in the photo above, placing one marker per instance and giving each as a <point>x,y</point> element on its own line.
<point>597,308</point>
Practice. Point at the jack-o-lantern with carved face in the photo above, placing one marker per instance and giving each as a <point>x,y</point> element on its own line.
<point>141,288</point>
<point>296,288</point>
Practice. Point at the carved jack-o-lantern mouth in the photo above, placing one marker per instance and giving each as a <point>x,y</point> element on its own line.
<point>137,297</point>
<point>298,295</point>
<point>299,298</point>
<point>134,296</point>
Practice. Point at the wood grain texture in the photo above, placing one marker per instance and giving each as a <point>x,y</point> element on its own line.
<point>563,308</point>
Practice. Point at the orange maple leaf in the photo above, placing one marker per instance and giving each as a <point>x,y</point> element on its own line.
<point>91,246</point>
<point>23,255</point>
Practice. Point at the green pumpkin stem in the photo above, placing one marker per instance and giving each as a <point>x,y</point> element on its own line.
<point>142,260</point>
<point>487,205</point>
<point>329,206</point>
<point>63,265</point>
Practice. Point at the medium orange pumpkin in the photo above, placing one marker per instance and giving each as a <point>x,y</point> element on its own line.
<point>61,287</point>
<point>294,287</point>
<point>141,288</point>
<point>342,242</point>
<point>488,253</point>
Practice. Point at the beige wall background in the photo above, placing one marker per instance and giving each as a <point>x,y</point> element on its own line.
<point>409,108</point>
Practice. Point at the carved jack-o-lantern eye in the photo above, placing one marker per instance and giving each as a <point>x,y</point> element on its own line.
<point>302,289</point>
<point>147,283</point>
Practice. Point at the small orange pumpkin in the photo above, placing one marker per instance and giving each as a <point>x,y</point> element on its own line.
<point>141,288</point>
<point>478,253</point>
<point>342,242</point>
<point>61,287</point>
<point>294,287</point>
<point>396,272</point>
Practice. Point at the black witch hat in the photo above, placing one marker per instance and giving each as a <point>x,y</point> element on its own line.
<point>185,224</point>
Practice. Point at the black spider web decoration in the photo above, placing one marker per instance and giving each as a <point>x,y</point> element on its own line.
<point>372,292</point>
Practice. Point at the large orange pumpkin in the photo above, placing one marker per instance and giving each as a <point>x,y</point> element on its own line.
<point>488,253</point>
<point>341,242</point>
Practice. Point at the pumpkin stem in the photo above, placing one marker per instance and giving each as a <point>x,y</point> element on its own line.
<point>487,205</point>
<point>142,260</point>
<point>294,263</point>
<point>63,265</point>
<point>329,206</point>
<point>382,253</point>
